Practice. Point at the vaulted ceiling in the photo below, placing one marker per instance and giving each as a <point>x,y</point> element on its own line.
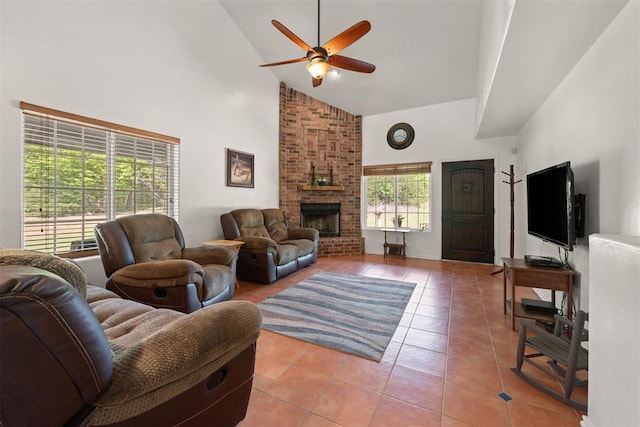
<point>426,51</point>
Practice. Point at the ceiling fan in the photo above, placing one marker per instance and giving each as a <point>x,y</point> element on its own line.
<point>322,58</point>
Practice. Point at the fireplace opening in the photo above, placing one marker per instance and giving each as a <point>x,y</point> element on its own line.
<point>324,217</point>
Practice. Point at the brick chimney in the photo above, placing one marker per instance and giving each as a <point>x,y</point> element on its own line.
<point>314,134</point>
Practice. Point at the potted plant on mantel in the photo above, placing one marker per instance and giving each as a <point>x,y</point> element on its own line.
<point>397,220</point>
<point>321,180</point>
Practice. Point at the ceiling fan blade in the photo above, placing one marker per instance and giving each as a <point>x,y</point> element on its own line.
<point>351,64</point>
<point>316,82</point>
<point>347,37</point>
<point>287,32</point>
<point>290,61</point>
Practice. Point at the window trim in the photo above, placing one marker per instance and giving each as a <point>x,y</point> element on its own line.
<point>102,124</point>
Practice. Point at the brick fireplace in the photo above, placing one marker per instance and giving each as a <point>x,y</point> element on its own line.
<point>319,139</point>
<point>324,217</point>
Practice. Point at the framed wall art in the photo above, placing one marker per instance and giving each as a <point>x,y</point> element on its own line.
<point>239,169</point>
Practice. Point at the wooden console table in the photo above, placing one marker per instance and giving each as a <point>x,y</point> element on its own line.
<point>395,248</point>
<point>518,273</point>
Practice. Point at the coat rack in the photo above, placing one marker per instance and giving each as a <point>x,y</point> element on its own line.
<point>512,184</point>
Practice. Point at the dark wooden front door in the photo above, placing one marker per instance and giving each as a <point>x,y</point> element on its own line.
<point>467,211</point>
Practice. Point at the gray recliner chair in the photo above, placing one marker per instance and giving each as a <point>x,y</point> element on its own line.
<point>145,259</point>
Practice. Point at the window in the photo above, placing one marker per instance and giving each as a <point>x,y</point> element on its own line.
<point>78,172</point>
<point>397,195</point>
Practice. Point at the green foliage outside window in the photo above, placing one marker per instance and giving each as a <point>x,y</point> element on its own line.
<point>76,176</point>
<point>392,196</point>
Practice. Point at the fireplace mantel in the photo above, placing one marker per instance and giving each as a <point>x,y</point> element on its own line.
<point>309,187</point>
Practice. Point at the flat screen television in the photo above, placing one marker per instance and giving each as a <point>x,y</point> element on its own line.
<point>550,212</point>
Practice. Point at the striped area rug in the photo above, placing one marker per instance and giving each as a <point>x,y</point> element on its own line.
<point>353,314</point>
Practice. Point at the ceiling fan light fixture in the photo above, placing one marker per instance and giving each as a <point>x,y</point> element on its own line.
<point>318,68</point>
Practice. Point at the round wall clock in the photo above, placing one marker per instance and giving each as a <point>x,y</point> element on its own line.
<point>400,136</point>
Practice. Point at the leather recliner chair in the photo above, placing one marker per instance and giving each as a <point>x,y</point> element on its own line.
<point>145,260</point>
<point>77,354</point>
<point>271,249</point>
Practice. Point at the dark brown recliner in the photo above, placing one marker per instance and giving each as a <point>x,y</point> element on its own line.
<point>271,249</point>
<point>77,354</point>
<point>145,260</point>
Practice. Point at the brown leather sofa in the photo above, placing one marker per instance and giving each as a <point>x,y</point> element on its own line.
<point>145,260</point>
<point>76,354</point>
<point>271,249</point>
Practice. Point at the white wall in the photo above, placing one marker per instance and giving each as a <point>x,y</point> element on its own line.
<point>593,120</point>
<point>443,133</point>
<point>177,68</point>
<point>495,19</point>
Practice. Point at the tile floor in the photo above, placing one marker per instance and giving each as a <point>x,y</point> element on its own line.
<point>448,360</point>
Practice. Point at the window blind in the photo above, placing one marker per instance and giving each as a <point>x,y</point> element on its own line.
<point>78,172</point>
<point>397,169</point>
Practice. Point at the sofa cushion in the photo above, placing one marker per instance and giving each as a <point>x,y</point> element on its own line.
<point>250,223</point>
<point>276,223</point>
<point>160,353</point>
<point>305,247</point>
<point>126,322</point>
<point>287,253</point>
<point>152,237</point>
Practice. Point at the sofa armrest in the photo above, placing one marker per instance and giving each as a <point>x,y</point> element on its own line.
<point>176,357</point>
<point>161,273</point>
<point>64,268</point>
<point>258,244</point>
<point>304,233</point>
<point>206,255</point>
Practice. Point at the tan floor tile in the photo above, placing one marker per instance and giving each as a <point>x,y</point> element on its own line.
<point>426,340</point>
<point>430,324</point>
<point>346,404</point>
<point>392,412</point>
<point>526,415</point>
<point>312,420</point>
<point>267,411</point>
<point>473,405</point>
<point>282,347</point>
<point>299,386</point>
<point>321,359</point>
<point>415,387</point>
<point>364,373</point>
<point>421,360</point>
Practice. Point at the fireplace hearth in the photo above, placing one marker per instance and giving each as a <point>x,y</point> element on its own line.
<point>324,217</point>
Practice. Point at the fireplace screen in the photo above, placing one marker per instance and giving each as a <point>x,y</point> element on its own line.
<point>324,217</point>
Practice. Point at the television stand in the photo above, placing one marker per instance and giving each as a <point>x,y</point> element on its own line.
<point>520,273</point>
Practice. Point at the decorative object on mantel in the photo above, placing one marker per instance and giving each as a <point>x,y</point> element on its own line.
<point>239,169</point>
<point>321,179</point>
<point>397,220</point>
<point>321,58</point>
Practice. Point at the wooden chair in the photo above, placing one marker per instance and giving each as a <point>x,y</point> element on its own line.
<point>564,353</point>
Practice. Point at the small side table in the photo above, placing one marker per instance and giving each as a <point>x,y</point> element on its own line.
<point>395,248</point>
<point>223,242</point>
